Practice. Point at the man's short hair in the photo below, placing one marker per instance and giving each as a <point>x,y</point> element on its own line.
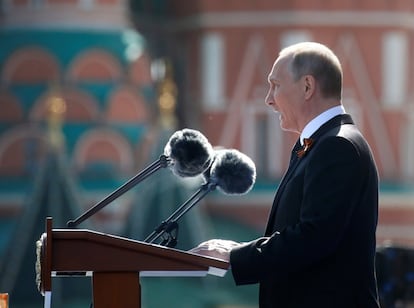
<point>310,58</point>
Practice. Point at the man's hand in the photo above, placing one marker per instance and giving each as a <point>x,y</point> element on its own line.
<point>216,248</point>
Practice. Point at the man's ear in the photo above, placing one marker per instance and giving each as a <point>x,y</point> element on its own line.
<point>309,84</point>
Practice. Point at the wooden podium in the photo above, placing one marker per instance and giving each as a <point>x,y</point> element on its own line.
<point>115,264</point>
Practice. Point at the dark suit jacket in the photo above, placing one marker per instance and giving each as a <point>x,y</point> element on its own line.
<point>319,245</point>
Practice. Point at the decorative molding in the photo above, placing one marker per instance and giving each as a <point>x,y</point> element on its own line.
<point>254,19</point>
<point>102,17</point>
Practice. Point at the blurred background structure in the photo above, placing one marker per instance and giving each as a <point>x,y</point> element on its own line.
<point>91,90</point>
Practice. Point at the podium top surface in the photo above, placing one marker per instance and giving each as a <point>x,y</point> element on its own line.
<point>86,250</point>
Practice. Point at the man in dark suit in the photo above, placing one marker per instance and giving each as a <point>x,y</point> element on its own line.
<point>319,246</point>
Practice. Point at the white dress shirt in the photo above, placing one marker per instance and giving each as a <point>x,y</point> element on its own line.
<point>321,119</point>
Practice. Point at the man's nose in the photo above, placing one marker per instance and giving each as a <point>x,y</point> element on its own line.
<point>269,99</point>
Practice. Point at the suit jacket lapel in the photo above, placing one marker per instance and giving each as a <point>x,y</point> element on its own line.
<point>294,160</point>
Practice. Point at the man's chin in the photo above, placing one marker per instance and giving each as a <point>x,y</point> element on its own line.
<point>286,128</point>
<point>282,123</point>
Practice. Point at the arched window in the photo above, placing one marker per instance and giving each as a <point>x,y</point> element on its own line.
<point>95,65</point>
<point>80,105</point>
<point>30,65</point>
<point>127,105</point>
<point>103,152</point>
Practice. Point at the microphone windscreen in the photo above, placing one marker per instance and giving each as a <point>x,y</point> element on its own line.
<point>233,172</point>
<point>206,174</point>
<point>190,152</point>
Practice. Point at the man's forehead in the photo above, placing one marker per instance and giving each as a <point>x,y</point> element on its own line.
<point>279,65</point>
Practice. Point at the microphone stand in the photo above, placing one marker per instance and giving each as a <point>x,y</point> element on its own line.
<point>163,162</point>
<point>169,227</point>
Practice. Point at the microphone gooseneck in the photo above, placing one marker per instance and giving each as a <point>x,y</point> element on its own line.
<point>187,153</point>
<point>169,226</point>
<point>162,162</point>
<point>233,172</point>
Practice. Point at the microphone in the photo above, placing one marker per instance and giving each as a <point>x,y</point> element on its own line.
<point>190,153</point>
<point>187,152</point>
<point>233,172</point>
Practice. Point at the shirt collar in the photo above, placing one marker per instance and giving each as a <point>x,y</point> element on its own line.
<point>321,119</point>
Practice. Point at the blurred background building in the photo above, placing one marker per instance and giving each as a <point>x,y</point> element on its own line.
<point>91,90</point>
